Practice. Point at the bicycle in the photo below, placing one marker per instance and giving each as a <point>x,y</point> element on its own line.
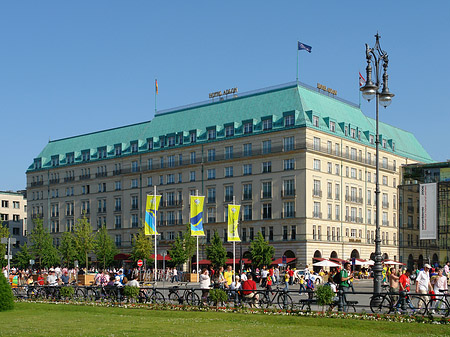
<point>442,306</point>
<point>188,295</point>
<point>281,298</point>
<point>385,303</point>
<point>150,295</point>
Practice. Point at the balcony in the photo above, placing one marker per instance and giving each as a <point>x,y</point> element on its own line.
<point>117,172</point>
<point>101,174</point>
<point>287,215</point>
<point>287,193</point>
<point>317,193</point>
<point>134,207</point>
<point>101,210</point>
<point>385,204</point>
<point>266,195</point>
<point>354,199</point>
<point>171,203</point>
<point>228,198</point>
<point>37,183</point>
<point>85,211</point>
<point>385,223</point>
<point>54,181</point>
<point>118,209</point>
<point>211,200</point>
<point>317,215</point>
<point>247,196</point>
<point>85,176</point>
<point>211,219</point>
<point>68,179</point>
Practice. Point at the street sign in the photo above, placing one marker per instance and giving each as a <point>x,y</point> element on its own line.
<point>4,241</point>
<point>6,257</point>
<point>140,263</point>
<point>75,263</point>
<point>31,262</point>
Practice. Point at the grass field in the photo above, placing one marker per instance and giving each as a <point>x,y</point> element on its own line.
<point>31,319</point>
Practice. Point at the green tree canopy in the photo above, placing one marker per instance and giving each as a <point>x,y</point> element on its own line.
<point>216,252</point>
<point>4,233</point>
<point>68,249</point>
<point>104,247</point>
<point>261,251</point>
<point>23,257</point>
<point>142,247</point>
<point>42,245</point>
<point>177,252</point>
<point>84,238</point>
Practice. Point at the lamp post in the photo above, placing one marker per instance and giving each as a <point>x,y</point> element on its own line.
<point>378,58</point>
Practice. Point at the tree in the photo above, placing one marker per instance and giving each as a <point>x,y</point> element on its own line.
<point>68,249</point>
<point>6,295</point>
<point>84,238</point>
<point>41,245</point>
<point>178,253</point>
<point>216,252</point>
<point>4,233</point>
<point>23,257</point>
<point>142,246</point>
<point>104,247</point>
<point>261,251</point>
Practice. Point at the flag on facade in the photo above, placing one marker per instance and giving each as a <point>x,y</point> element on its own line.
<point>233,218</point>
<point>156,86</point>
<point>302,46</point>
<point>150,214</point>
<point>362,81</point>
<point>197,215</point>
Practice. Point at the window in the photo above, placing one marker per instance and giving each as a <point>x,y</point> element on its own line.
<point>288,188</point>
<point>329,190</point>
<point>288,209</point>
<point>192,157</point>
<point>337,191</point>
<point>288,143</point>
<point>247,169</point>
<point>385,162</point>
<point>118,149</point>
<point>247,149</point>
<point>329,147</point>
<point>337,212</point>
<point>228,152</point>
<point>211,134</point>
<point>229,193</point>
<point>211,154</point>
<point>288,164</point>
<point>267,167</point>
<point>248,212</point>
<point>134,183</point>
<point>289,120</point>
<point>316,211</point>
<point>85,155</point>
<point>353,153</point>
<point>332,126</point>
<point>336,169</point>
<point>385,180</point>
<point>314,232</point>
<point>270,233</point>
<point>228,171</point>
<point>211,173</point>
<point>55,160</point>
<point>170,179</point>
<point>267,211</point>
<point>149,181</point>
<point>316,189</point>
<point>171,161</point>
<point>248,127</point>
<point>229,131</point>
<point>330,167</point>
<point>134,166</point>
<point>316,144</point>
<point>193,136</point>
<point>134,146</point>
<point>353,173</point>
<point>211,195</point>
<point>316,121</point>
<point>117,204</point>
<point>336,149</point>
<point>247,192</point>
<point>134,202</point>
<point>267,124</point>
<point>352,133</point>
<point>70,158</point>
<point>317,164</point>
<point>267,189</point>
<point>211,212</point>
<point>192,176</point>
<point>118,240</point>
<point>384,143</point>
<point>266,146</point>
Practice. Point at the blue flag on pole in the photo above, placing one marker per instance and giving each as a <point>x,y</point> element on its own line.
<point>302,46</point>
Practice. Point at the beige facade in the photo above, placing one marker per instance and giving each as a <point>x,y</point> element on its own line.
<point>311,193</point>
<point>13,207</point>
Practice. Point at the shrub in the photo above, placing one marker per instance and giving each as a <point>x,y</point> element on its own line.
<point>324,295</point>
<point>131,292</point>
<point>66,292</point>
<point>6,295</point>
<point>217,296</point>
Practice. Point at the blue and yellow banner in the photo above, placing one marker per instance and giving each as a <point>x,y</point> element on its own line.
<point>233,218</point>
<point>150,214</point>
<point>197,215</point>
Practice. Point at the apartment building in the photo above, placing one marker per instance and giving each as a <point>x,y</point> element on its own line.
<point>300,162</point>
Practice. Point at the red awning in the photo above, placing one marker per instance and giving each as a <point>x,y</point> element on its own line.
<point>318,258</point>
<point>338,260</point>
<point>121,256</point>
<point>207,262</point>
<point>160,257</point>
<point>280,261</point>
<point>230,261</point>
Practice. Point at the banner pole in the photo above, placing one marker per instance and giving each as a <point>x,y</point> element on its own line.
<point>297,60</point>
<point>156,217</point>
<point>234,248</point>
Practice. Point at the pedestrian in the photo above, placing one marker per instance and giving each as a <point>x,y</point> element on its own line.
<point>393,283</point>
<point>423,285</point>
<point>440,286</point>
<point>345,275</point>
<point>205,282</point>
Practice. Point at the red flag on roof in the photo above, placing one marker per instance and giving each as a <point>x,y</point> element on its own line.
<point>362,81</point>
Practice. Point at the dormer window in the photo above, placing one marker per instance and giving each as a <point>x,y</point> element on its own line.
<point>289,120</point>
<point>229,131</point>
<point>211,134</point>
<point>371,139</point>
<point>150,144</point>
<point>118,149</point>
<point>248,128</point>
<point>193,137</point>
<point>55,160</point>
<point>37,163</point>
<point>86,155</point>
<point>171,141</point>
<point>333,126</point>
<point>352,133</point>
<point>70,158</point>
<point>101,152</point>
<point>316,121</point>
<point>134,147</point>
<point>267,124</point>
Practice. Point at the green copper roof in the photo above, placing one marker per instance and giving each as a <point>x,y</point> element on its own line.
<point>274,103</point>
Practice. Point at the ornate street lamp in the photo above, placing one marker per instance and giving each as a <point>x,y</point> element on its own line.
<point>378,58</point>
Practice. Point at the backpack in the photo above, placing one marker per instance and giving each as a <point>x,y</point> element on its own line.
<point>337,278</point>
<point>309,284</point>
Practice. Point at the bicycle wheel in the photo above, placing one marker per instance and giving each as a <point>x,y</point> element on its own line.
<point>158,297</point>
<point>285,301</point>
<point>416,305</point>
<point>174,298</point>
<point>192,298</point>
<point>79,295</point>
<point>264,299</point>
<point>441,308</point>
<point>380,304</point>
<point>91,295</point>
<point>142,297</point>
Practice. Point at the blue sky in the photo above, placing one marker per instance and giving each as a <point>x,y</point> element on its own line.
<point>68,68</point>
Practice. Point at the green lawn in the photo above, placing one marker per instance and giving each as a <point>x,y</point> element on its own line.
<point>32,319</point>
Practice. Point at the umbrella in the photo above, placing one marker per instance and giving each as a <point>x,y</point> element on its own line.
<point>391,262</point>
<point>359,262</point>
<point>370,262</point>
<point>326,263</point>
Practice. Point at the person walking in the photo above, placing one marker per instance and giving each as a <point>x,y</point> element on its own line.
<point>423,285</point>
<point>344,286</point>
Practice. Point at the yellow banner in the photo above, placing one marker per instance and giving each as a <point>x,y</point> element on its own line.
<point>233,219</point>
<point>197,215</point>
<point>150,214</point>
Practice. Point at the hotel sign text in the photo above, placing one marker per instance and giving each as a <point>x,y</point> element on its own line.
<point>222,93</point>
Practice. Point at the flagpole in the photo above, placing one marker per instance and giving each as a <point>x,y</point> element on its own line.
<point>156,94</point>
<point>297,60</point>
<point>359,86</point>
<point>198,258</point>
<point>156,217</point>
